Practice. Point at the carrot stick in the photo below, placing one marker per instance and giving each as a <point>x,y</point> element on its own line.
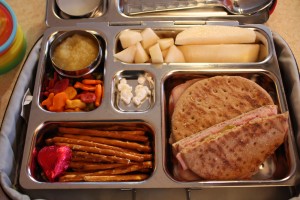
<point>98,93</point>
<point>84,86</point>
<point>91,81</point>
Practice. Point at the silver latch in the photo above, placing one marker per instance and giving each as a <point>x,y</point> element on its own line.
<point>195,23</point>
<point>125,23</point>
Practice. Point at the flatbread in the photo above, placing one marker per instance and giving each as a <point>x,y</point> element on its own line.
<point>237,153</point>
<point>211,101</point>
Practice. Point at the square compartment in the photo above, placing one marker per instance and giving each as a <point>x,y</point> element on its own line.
<point>131,77</point>
<point>262,39</point>
<point>49,72</point>
<point>278,167</point>
<point>142,144</point>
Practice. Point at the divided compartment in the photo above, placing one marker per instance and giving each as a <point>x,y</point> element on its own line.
<point>79,9</point>
<point>262,39</point>
<point>51,129</point>
<point>50,76</point>
<point>278,167</point>
<point>132,77</point>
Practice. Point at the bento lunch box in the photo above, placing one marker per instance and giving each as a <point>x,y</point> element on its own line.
<point>152,116</point>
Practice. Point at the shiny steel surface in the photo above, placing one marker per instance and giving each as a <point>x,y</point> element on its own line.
<point>113,12</point>
<point>236,7</point>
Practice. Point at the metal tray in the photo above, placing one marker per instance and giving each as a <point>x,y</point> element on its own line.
<point>154,115</point>
<point>115,12</point>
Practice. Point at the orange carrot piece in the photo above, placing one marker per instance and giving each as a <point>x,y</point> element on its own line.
<point>91,81</point>
<point>98,93</point>
<point>49,101</point>
<point>84,86</point>
<point>59,102</point>
<point>71,92</point>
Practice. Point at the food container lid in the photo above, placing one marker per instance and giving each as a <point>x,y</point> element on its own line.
<point>15,53</point>
<point>117,13</point>
<point>8,26</point>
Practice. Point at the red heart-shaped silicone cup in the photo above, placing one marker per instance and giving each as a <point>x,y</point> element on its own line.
<point>54,160</point>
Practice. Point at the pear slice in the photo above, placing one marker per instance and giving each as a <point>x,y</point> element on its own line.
<point>156,54</point>
<point>141,55</point>
<point>164,53</point>
<point>149,38</point>
<point>174,55</point>
<point>165,43</point>
<point>129,38</point>
<point>127,55</point>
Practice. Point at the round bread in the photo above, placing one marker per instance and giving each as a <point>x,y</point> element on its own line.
<point>214,100</point>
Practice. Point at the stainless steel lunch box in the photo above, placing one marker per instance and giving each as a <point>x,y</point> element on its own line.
<point>109,20</point>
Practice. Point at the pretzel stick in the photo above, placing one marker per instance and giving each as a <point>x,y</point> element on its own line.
<point>126,155</point>
<point>126,169</point>
<point>100,146</point>
<point>74,176</point>
<point>83,166</point>
<point>134,177</point>
<point>109,134</point>
<point>85,143</point>
<point>135,132</point>
<point>113,142</point>
<point>71,178</point>
<point>91,157</point>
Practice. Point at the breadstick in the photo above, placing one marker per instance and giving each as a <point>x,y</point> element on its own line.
<point>91,157</point>
<point>133,177</point>
<point>113,142</point>
<point>109,134</point>
<point>126,155</point>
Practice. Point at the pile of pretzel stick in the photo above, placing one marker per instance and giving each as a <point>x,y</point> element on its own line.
<point>101,155</point>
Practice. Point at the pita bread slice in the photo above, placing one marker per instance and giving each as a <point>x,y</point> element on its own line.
<point>237,153</point>
<point>260,112</point>
<point>211,101</point>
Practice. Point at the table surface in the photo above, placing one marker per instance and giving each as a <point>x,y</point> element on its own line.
<point>31,17</point>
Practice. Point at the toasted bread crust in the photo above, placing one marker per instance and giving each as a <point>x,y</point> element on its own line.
<point>214,100</point>
<point>237,153</point>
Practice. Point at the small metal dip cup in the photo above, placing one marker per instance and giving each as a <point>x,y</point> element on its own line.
<point>78,8</point>
<point>80,72</point>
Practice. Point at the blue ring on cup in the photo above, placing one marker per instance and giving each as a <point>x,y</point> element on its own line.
<point>12,36</point>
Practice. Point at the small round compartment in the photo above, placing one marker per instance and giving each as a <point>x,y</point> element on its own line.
<point>75,53</point>
<point>78,8</point>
